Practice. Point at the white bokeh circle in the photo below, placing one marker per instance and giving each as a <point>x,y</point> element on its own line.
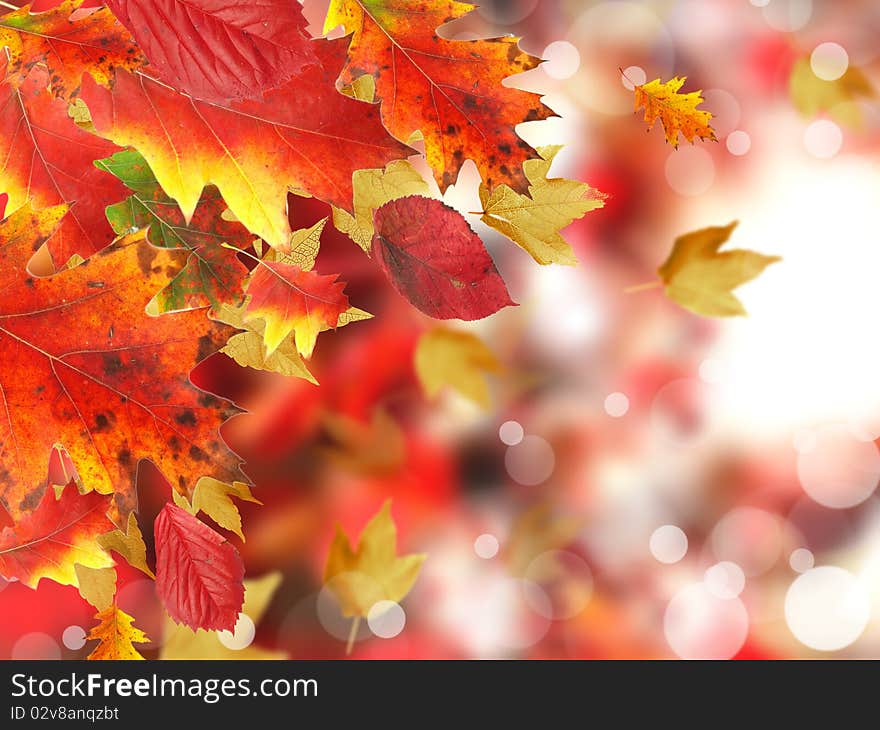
<point>386,619</point>
<point>838,470</point>
<point>668,544</point>
<point>699,625</point>
<point>827,608</point>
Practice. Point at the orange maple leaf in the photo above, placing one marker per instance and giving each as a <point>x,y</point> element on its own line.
<point>677,112</point>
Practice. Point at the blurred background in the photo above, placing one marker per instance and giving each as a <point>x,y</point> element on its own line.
<point>646,483</point>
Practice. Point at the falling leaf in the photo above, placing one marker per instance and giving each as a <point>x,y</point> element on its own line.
<point>94,43</point>
<point>249,350</point>
<point>372,573</point>
<point>701,279</point>
<point>450,91</point>
<point>372,189</point>
<point>214,498</point>
<point>198,572</point>
<point>217,50</point>
<point>117,635</point>
<point>534,221</point>
<point>289,299</point>
<point>83,366</point>
<point>839,98</point>
<point>48,540</point>
<point>46,160</point>
<point>377,447</point>
<point>678,112</point>
<point>253,151</point>
<point>181,642</point>
<point>96,585</point>
<point>460,360</point>
<point>537,530</point>
<point>129,544</point>
<point>213,274</point>
<point>434,259</point>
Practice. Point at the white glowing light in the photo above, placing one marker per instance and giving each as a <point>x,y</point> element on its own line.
<point>616,405</point>
<point>633,76</point>
<point>823,139</point>
<point>242,636</point>
<point>749,537</point>
<point>511,433</point>
<point>530,462</point>
<point>486,546</point>
<point>827,608</point>
<point>725,580</point>
<point>839,470</point>
<point>386,619</point>
<point>74,638</point>
<point>801,560</point>
<point>561,60</point>
<point>788,15</point>
<point>699,625</point>
<point>739,143</point>
<point>668,544</point>
<point>829,61</point>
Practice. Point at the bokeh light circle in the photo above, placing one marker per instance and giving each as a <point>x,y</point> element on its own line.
<point>242,635</point>
<point>36,646</point>
<point>486,546</point>
<point>566,584</point>
<point>726,110</point>
<point>788,15</point>
<point>633,76</point>
<point>839,471</point>
<point>74,637</point>
<point>749,537</point>
<point>690,171</point>
<point>668,544</point>
<point>511,433</point>
<point>699,625</point>
<point>725,580</point>
<point>561,60</point>
<point>616,405</point>
<point>330,611</point>
<point>827,608</point>
<point>386,619</point>
<point>739,143</point>
<point>530,462</point>
<point>801,560</point>
<point>504,12</point>
<point>829,61</point>
<point>823,139</point>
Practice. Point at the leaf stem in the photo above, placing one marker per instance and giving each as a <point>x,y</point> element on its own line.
<point>643,287</point>
<point>352,634</point>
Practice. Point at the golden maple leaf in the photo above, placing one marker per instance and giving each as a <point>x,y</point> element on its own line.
<point>214,498</point>
<point>117,634</point>
<point>361,578</point>
<point>457,359</point>
<point>534,221</point>
<point>129,544</point>
<point>700,278</point>
<point>678,112</point>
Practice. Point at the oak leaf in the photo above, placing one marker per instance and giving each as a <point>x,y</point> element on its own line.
<point>117,635</point>
<point>700,278</point>
<point>181,642</point>
<point>450,91</point>
<point>361,578</point>
<point>461,360</point>
<point>68,41</point>
<point>198,572</point>
<point>677,112</point>
<point>434,259</point>
<point>216,50</point>
<point>534,221</point>
<point>96,585</point>
<point>213,274</point>
<point>83,366</point>
<point>49,539</point>
<point>129,544</point>
<point>303,135</point>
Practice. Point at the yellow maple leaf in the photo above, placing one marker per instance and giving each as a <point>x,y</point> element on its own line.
<point>129,544</point>
<point>372,189</point>
<point>302,248</point>
<point>214,498</point>
<point>378,447</point>
<point>700,278</point>
<point>457,359</point>
<point>117,634</point>
<point>181,642</point>
<point>678,112</point>
<point>839,98</point>
<point>96,585</point>
<point>361,578</point>
<point>534,221</point>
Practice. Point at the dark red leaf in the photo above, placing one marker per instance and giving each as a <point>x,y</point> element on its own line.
<point>199,575</point>
<point>436,261</point>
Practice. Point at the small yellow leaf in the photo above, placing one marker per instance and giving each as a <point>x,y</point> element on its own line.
<point>129,544</point>
<point>534,221</point>
<point>214,498</point>
<point>458,359</point>
<point>363,88</point>
<point>117,634</point>
<point>378,447</point>
<point>360,579</point>
<point>181,501</point>
<point>302,250</point>
<point>678,112</point>
<point>181,642</point>
<point>248,348</point>
<point>701,279</point>
<point>812,96</point>
<point>352,314</point>
<point>96,585</point>
<point>372,189</point>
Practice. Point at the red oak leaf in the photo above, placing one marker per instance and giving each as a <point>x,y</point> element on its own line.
<point>436,261</point>
<point>199,574</point>
<point>292,300</point>
<point>217,50</point>
<point>46,542</point>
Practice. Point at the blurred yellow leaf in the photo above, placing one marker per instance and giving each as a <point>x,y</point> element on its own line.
<point>181,642</point>
<point>375,448</point>
<point>372,189</point>
<point>214,498</point>
<point>536,531</point>
<point>678,112</point>
<point>129,544</point>
<point>701,279</point>
<point>360,579</point>
<point>457,359</point>
<point>534,221</point>
<point>96,585</point>
<point>812,96</point>
<point>117,634</point>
